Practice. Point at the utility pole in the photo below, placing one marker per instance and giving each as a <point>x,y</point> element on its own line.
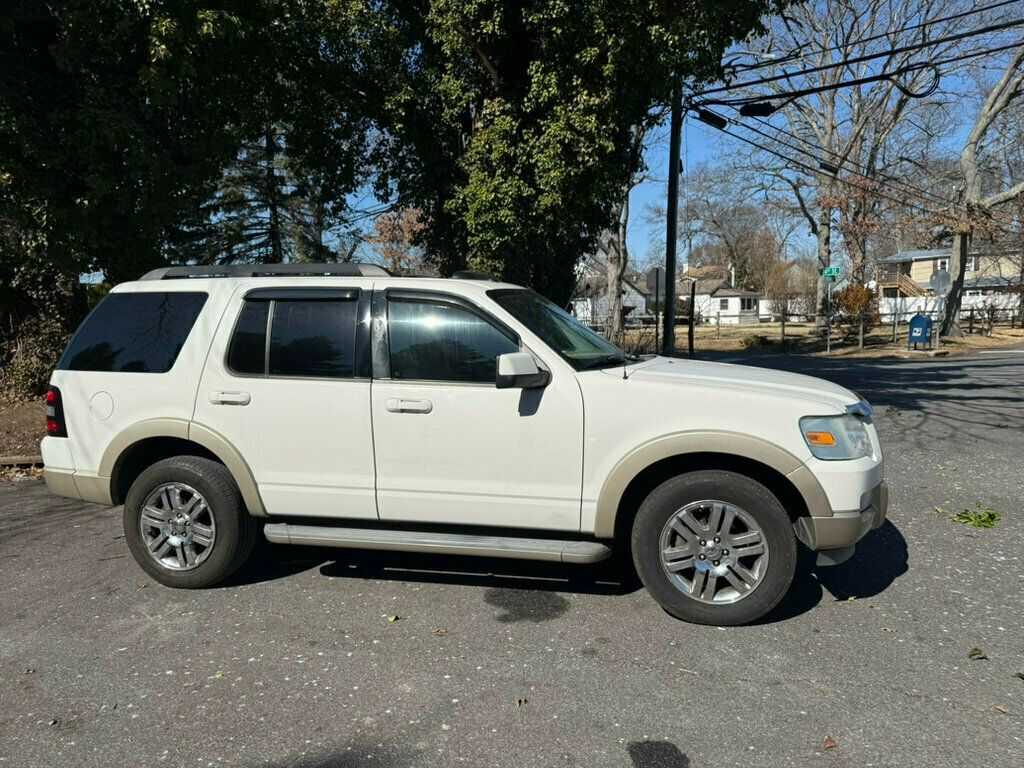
<point>675,133</point>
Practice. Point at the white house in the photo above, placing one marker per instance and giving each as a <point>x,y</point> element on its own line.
<point>590,301</point>
<point>718,301</point>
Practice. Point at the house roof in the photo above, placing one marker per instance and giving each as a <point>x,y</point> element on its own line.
<point>723,290</point>
<point>923,254</point>
<point>992,282</point>
<point>595,279</point>
<point>707,287</point>
<point>736,292</point>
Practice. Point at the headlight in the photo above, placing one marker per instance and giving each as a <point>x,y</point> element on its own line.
<point>834,438</point>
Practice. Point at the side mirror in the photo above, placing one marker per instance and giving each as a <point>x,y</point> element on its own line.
<point>519,370</point>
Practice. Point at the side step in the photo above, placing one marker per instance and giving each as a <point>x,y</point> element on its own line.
<point>442,543</point>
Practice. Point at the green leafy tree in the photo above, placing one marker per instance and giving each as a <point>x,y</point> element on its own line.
<point>514,119</point>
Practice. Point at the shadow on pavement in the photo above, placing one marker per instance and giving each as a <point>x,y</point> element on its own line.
<point>880,559</point>
<point>656,754</point>
<point>523,590</point>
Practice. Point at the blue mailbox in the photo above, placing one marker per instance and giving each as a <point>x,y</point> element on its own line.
<point>920,331</point>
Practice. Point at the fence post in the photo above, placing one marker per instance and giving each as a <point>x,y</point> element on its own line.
<point>970,326</point>
<point>860,336</point>
<point>783,326</point>
<point>895,323</point>
<point>718,324</point>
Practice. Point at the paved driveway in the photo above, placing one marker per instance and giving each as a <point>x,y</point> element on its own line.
<point>491,664</point>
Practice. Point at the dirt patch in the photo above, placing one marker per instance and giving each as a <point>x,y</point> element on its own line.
<point>22,426</point>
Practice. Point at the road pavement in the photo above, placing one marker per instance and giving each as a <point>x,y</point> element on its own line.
<point>296,663</point>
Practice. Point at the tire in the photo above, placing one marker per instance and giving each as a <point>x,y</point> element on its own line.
<point>217,516</point>
<point>674,519</point>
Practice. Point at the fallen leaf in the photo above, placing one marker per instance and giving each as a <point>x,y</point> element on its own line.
<point>851,598</point>
<point>830,743</point>
<point>440,632</point>
<point>521,702</point>
<point>143,585</point>
<point>393,617</point>
<point>976,654</point>
<point>1002,709</point>
<point>216,676</point>
<point>30,671</point>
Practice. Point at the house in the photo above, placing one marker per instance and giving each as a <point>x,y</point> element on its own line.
<point>908,273</point>
<point>591,301</point>
<point>718,301</point>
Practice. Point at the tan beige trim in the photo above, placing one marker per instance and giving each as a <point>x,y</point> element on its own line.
<point>809,487</point>
<point>136,432</point>
<point>183,429</point>
<point>61,482</point>
<point>94,488</point>
<point>219,446</point>
<point>681,443</point>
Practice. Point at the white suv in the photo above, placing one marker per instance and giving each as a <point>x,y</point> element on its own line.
<point>335,405</point>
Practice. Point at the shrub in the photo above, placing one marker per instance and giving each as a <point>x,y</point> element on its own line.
<point>755,340</point>
<point>849,304</point>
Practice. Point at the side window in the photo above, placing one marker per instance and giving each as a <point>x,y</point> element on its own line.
<point>313,338</point>
<point>723,303</point>
<point>134,332</point>
<point>308,337</point>
<point>438,341</point>
<point>247,353</point>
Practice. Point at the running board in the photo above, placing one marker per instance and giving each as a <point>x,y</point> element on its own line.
<point>441,543</point>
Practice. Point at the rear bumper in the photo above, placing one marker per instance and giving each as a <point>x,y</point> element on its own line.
<point>74,485</point>
<point>843,529</point>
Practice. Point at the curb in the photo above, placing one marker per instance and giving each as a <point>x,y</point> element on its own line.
<point>21,462</point>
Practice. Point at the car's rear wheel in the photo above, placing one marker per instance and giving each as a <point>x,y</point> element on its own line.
<point>185,523</point>
<point>714,547</point>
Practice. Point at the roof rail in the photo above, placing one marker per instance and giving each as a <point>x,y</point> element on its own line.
<point>344,269</point>
<point>472,274</point>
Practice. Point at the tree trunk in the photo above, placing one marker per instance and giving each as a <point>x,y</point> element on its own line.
<point>617,254</point>
<point>957,267</point>
<point>273,207</point>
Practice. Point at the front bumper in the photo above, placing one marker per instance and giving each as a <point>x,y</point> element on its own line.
<point>844,529</point>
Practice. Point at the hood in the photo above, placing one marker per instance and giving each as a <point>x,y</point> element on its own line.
<point>744,377</point>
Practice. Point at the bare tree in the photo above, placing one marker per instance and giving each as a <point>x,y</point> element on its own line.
<point>979,201</point>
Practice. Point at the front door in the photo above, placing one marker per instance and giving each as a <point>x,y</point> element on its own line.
<point>288,383</point>
<point>452,448</point>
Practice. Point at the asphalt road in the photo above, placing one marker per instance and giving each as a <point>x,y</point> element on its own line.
<point>294,663</point>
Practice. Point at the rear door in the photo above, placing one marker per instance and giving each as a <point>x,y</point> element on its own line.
<point>288,383</point>
<point>452,448</point>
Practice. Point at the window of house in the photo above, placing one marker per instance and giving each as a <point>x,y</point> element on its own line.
<point>972,263</point>
<point>943,264</point>
<point>748,305</point>
<point>432,340</point>
<point>312,337</point>
<point>134,332</point>
<point>723,303</point>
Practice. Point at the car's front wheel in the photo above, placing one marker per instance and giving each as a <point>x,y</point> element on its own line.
<point>185,523</point>
<point>714,547</point>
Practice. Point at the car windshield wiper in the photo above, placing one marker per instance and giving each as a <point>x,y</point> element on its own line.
<point>607,360</point>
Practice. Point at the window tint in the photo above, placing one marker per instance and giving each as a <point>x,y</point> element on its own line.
<point>247,353</point>
<point>134,332</point>
<point>313,338</point>
<point>436,341</point>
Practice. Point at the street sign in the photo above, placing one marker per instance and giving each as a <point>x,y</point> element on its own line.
<point>656,280</point>
<point>940,282</point>
<point>830,271</point>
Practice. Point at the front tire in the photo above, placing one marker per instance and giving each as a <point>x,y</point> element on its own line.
<point>185,523</point>
<point>714,547</point>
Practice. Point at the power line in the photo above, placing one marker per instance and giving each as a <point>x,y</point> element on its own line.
<point>867,57</point>
<point>788,96</point>
<point>814,171</point>
<point>883,35</point>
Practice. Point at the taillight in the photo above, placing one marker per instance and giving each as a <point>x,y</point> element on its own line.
<point>55,424</point>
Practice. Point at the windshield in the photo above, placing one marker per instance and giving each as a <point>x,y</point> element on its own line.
<point>578,345</point>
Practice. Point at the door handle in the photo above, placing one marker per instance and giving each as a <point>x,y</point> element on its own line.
<point>229,398</point>
<point>401,405</point>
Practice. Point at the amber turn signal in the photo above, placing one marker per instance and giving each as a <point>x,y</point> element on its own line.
<point>821,438</point>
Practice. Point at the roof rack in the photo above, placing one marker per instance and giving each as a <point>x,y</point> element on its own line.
<point>472,274</point>
<point>345,269</point>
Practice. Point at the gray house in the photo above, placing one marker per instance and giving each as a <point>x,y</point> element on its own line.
<point>591,301</point>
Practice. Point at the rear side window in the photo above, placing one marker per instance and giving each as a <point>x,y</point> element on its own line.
<point>134,332</point>
<point>308,337</point>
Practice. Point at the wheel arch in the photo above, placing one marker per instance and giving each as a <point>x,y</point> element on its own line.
<point>646,467</point>
<point>147,442</point>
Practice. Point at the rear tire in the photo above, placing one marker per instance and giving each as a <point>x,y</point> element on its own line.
<point>185,523</point>
<point>714,547</point>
